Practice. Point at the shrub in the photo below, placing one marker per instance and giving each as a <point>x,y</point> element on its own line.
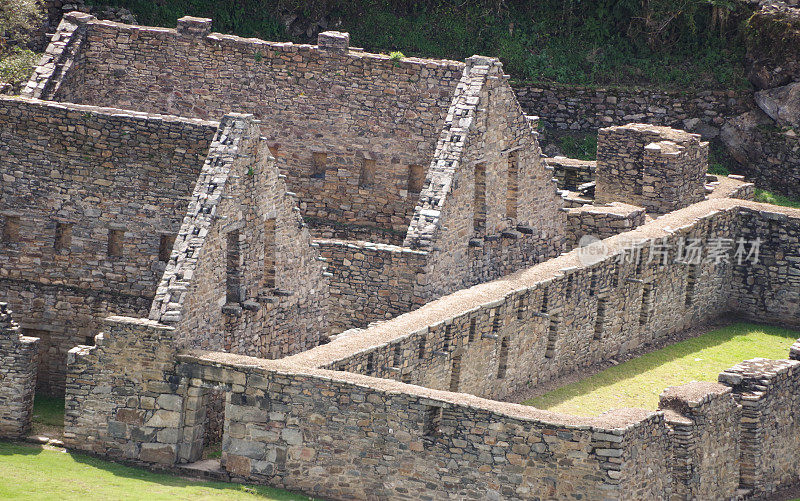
<point>18,18</point>
<point>16,66</point>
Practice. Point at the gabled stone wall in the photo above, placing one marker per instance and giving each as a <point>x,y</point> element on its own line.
<point>243,275</point>
<point>17,376</point>
<point>489,206</point>
<point>345,105</point>
<point>73,178</point>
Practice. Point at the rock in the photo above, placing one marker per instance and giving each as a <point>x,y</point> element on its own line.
<point>736,135</point>
<point>782,104</point>
<point>772,37</point>
<point>551,150</point>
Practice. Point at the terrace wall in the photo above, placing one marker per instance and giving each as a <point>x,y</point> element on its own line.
<point>586,109</point>
<point>347,105</point>
<point>73,177</point>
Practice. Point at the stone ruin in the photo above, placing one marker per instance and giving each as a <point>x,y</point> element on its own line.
<point>347,259</point>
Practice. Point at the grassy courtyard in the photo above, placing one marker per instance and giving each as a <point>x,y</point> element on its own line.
<point>30,472</point>
<point>638,382</point>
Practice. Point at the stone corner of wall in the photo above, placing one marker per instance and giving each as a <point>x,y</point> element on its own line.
<point>194,26</point>
<point>687,398</point>
<point>78,17</point>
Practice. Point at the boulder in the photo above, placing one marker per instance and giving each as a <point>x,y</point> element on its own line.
<point>772,37</point>
<point>781,104</point>
<point>738,133</point>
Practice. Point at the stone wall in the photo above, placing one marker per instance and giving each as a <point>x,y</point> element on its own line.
<point>62,317</point>
<point>658,168</point>
<point>345,126</point>
<point>17,376</point>
<point>370,281</point>
<point>704,422</point>
<point>587,109</point>
<point>571,311</point>
<point>488,194</point>
<point>123,398</point>
<point>767,390</point>
<point>283,425</point>
<point>571,173</point>
<point>243,275</point>
<point>601,222</point>
<point>769,290</point>
<point>91,198</point>
<point>295,423</point>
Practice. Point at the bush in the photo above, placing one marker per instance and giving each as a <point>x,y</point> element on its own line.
<point>18,18</point>
<point>16,66</point>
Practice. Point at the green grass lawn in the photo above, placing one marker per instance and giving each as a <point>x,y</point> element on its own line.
<point>771,198</point>
<point>639,382</point>
<point>32,472</point>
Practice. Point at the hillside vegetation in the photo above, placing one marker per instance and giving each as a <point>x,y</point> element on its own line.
<point>687,44</point>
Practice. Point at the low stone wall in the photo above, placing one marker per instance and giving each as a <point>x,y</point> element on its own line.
<point>587,109</point>
<point>63,317</point>
<point>370,281</point>
<point>768,392</point>
<point>704,422</point>
<point>17,377</point>
<point>284,424</point>
<point>571,173</point>
<point>601,221</point>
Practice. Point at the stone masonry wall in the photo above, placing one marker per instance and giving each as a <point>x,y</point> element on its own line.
<point>370,281</point>
<point>284,424</point>
<point>769,290</point>
<point>243,275</point>
<point>704,422</point>
<point>551,319</point>
<point>294,425</point>
<point>17,376</point>
<point>91,198</point>
<point>489,206</point>
<point>601,221</point>
<point>770,445</point>
<point>62,317</point>
<point>571,173</point>
<point>587,109</point>
<point>123,398</point>
<point>658,168</point>
<point>329,113</point>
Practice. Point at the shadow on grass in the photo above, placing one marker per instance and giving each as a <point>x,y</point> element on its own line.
<point>650,361</point>
<point>48,410</point>
<point>12,449</point>
<point>53,463</point>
